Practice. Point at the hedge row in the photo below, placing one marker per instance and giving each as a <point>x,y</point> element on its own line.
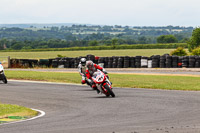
<point>133,46</point>
<point>155,61</point>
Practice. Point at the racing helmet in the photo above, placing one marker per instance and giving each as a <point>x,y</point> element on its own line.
<point>83,61</point>
<point>89,64</point>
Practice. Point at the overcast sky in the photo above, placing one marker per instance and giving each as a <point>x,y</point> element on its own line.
<point>102,12</point>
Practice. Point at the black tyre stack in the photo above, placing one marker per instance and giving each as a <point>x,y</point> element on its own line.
<point>174,61</point>
<point>96,59</point>
<point>162,61</point>
<point>120,63</point>
<point>76,62</point>
<point>155,61</point>
<point>115,61</point>
<point>144,62</point>
<point>67,62</point>
<point>138,61</point>
<point>132,62</point>
<point>126,61</point>
<point>197,63</point>
<point>24,63</point>
<point>168,61</point>
<point>110,62</point>
<point>50,62</point>
<point>180,60</point>
<point>101,61</point>
<point>185,61</point>
<point>191,61</point>
<point>61,63</point>
<point>44,63</point>
<point>55,62</point>
<point>106,62</point>
<point>90,57</point>
<point>72,61</point>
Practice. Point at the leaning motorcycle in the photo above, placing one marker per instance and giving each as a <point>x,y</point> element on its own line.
<point>102,82</point>
<point>2,75</point>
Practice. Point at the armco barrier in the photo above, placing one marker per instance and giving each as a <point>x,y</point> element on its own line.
<point>155,61</point>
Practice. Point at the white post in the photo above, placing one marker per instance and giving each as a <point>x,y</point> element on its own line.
<point>9,64</point>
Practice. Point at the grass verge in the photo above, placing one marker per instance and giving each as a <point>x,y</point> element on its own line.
<point>119,80</point>
<point>102,53</point>
<point>7,110</point>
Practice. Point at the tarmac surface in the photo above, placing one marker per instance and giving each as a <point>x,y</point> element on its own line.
<point>78,109</point>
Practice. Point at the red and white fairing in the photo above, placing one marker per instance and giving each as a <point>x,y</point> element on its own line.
<point>101,80</point>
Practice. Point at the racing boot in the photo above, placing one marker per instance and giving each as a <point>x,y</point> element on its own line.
<point>83,81</point>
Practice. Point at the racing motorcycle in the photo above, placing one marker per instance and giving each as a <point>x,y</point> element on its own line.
<point>102,82</point>
<point>2,75</point>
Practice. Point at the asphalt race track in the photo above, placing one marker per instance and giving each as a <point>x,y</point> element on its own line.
<point>78,109</point>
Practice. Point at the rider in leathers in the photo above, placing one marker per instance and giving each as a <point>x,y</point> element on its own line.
<point>87,72</point>
<point>82,70</point>
<point>91,68</point>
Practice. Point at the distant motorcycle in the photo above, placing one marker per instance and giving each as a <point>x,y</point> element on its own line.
<point>103,84</point>
<point>2,75</point>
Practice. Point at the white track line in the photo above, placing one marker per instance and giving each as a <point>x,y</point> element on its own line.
<point>42,113</point>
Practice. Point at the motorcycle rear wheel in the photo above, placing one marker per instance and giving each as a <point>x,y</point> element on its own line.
<point>109,91</point>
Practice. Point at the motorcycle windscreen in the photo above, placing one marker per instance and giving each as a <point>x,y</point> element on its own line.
<point>98,77</point>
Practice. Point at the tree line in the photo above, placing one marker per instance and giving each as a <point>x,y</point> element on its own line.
<point>83,35</point>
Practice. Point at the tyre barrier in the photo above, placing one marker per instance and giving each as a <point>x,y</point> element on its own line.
<point>175,61</point>
<point>90,57</point>
<point>162,61</point>
<point>197,63</point>
<point>192,61</point>
<point>155,61</point>
<point>138,61</point>
<point>144,62</point>
<point>115,61</point>
<point>23,63</point>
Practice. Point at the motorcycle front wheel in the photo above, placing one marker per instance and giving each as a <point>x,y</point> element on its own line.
<point>5,79</point>
<point>109,91</point>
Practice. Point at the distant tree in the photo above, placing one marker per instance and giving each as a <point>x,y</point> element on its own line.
<point>54,28</point>
<point>114,41</point>
<point>4,43</point>
<point>184,40</point>
<point>118,26</point>
<point>93,43</point>
<point>194,40</point>
<point>1,46</point>
<point>17,46</point>
<point>142,40</point>
<point>167,39</point>
<point>27,47</point>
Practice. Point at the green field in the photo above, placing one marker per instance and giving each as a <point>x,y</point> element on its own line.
<point>102,53</point>
<point>15,110</point>
<point>118,80</point>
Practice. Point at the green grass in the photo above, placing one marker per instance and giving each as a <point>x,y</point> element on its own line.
<point>15,110</point>
<point>119,80</point>
<point>102,53</point>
